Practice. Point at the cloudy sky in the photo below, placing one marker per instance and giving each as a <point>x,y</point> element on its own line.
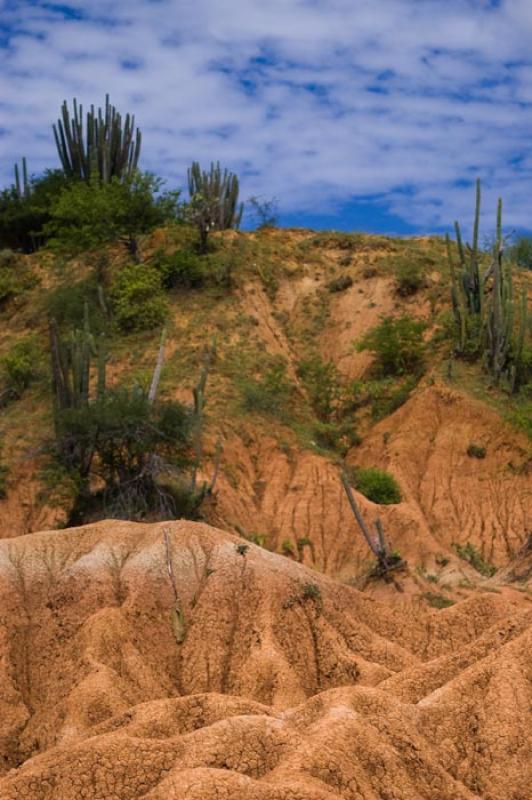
<point>354,114</point>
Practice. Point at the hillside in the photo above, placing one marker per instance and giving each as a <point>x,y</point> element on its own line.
<point>293,298</point>
<point>257,653</point>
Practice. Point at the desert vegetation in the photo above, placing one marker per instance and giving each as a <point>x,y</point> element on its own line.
<point>125,259</point>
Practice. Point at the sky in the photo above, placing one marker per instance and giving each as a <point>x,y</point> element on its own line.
<point>373,115</point>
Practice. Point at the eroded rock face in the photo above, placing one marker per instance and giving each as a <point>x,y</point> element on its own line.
<point>286,686</point>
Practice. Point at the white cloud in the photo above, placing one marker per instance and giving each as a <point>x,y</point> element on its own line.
<point>318,102</point>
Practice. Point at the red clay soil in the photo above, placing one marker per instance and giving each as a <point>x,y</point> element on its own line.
<point>449,497</point>
<point>286,685</point>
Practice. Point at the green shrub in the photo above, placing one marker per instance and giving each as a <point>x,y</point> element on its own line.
<point>9,287</point>
<point>437,600</point>
<point>377,485</point>
<point>476,451</point>
<point>468,552</point>
<point>136,450</point>
<point>521,252</point>
<point>340,284</point>
<point>269,394</point>
<point>384,396</point>
<point>138,299</point>
<point>19,367</point>
<point>522,418</point>
<point>397,345</point>
<point>7,258</point>
<point>322,382</point>
<point>182,268</point>
<point>339,437</point>
<point>67,303</point>
<point>409,275</point>
<point>23,219</point>
<point>311,591</point>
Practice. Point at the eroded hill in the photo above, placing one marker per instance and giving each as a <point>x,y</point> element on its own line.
<point>285,684</point>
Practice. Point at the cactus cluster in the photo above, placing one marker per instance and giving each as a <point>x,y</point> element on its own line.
<point>71,365</point>
<point>490,320</point>
<point>108,147</point>
<point>213,200</point>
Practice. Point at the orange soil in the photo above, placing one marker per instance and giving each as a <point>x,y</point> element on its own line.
<point>287,685</point>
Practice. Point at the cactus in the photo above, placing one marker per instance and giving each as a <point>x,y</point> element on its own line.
<point>22,187</point>
<point>108,147</point>
<point>484,305</point>
<point>213,200</point>
<point>199,406</point>
<point>71,365</point>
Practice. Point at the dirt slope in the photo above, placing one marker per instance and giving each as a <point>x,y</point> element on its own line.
<point>449,497</point>
<point>287,685</point>
<point>275,483</point>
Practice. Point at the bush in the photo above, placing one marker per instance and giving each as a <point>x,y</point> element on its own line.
<point>377,485</point>
<point>384,396</point>
<point>468,552</point>
<point>397,345</point>
<point>7,258</point>
<point>522,418</point>
<point>269,394</point>
<point>135,449</point>
<point>138,298</point>
<point>19,366</point>
<point>322,382</point>
<point>476,451</point>
<point>182,268</point>
<point>340,284</point>
<point>9,287</point>
<point>23,219</point>
<point>339,437</point>
<point>67,303</point>
<point>437,600</point>
<point>521,252</point>
<point>409,275</point>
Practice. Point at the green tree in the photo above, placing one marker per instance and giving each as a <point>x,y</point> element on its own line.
<point>88,214</point>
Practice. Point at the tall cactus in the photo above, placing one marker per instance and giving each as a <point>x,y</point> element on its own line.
<point>71,365</point>
<point>22,185</point>
<point>485,310</point>
<point>108,146</point>
<point>213,200</point>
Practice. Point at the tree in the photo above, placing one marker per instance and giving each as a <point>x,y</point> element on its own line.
<point>88,214</point>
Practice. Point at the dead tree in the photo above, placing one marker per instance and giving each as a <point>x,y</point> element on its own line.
<point>386,559</point>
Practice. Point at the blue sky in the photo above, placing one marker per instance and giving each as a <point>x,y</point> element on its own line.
<point>354,114</point>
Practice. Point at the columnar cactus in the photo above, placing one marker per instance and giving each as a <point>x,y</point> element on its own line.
<point>213,200</point>
<point>22,186</point>
<point>108,147</point>
<point>484,306</point>
<point>71,365</point>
